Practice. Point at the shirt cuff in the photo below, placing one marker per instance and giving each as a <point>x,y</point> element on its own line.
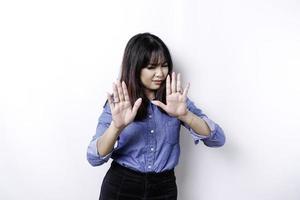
<point>212,126</point>
<point>94,151</point>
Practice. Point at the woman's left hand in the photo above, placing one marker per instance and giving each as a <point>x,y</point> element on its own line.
<point>175,97</point>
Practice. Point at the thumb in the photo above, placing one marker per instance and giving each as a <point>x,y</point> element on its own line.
<point>160,104</point>
<point>136,105</point>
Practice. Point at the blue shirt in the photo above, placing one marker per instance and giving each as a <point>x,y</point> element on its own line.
<point>151,145</point>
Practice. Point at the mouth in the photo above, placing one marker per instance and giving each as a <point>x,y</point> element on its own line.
<point>158,82</point>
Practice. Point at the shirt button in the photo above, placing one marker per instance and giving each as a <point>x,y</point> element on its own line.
<point>149,166</point>
<point>150,116</point>
<point>152,149</point>
<point>152,131</point>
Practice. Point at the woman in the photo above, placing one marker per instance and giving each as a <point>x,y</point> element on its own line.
<point>140,124</point>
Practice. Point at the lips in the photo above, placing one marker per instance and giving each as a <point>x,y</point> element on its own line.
<point>157,81</point>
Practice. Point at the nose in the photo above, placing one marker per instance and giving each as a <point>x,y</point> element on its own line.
<point>159,71</point>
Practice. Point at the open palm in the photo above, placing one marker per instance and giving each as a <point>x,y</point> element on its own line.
<point>175,99</point>
<point>121,109</point>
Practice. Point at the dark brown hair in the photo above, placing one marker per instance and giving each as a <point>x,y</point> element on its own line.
<point>140,50</point>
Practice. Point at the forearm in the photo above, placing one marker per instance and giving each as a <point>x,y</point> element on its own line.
<point>106,142</point>
<point>196,123</point>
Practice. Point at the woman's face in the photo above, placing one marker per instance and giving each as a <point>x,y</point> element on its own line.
<point>154,74</point>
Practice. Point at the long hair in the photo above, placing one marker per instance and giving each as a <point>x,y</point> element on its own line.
<point>139,51</point>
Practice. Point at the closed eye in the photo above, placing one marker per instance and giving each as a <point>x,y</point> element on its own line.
<point>151,67</point>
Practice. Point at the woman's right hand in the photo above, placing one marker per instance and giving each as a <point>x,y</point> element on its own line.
<point>121,109</point>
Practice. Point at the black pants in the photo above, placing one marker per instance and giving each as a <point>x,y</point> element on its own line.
<point>121,183</point>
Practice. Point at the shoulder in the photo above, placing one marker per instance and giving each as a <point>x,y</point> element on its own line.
<point>105,115</point>
<point>192,106</point>
<point>106,107</point>
<point>189,102</point>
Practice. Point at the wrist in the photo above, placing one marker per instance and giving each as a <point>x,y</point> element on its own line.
<point>184,116</point>
<point>188,118</point>
<point>117,129</point>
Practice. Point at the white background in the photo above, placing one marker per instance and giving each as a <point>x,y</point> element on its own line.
<point>59,58</point>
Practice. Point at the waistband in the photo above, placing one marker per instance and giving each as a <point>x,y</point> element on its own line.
<point>120,168</point>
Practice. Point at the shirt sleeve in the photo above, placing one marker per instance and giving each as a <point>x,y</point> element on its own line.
<point>104,121</point>
<point>216,138</point>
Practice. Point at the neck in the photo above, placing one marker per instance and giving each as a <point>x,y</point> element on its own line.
<point>150,94</point>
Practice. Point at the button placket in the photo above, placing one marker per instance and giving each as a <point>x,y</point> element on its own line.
<point>151,143</point>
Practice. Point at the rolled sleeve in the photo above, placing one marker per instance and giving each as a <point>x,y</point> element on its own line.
<point>104,121</point>
<point>216,138</point>
<point>94,158</point>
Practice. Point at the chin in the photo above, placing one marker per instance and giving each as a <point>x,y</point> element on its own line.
<point>155,88</point>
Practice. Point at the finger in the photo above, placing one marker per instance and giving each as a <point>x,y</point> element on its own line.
<point>115,91</point>
<point>110,101</point>
<point>136,106</point>
<point>179,83</point>
<point>160,104</point>
<point>120,91</point>
<point>125,91</point>
<point>168,89</point>
<point>173,83</point>
<point>186,89</point>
